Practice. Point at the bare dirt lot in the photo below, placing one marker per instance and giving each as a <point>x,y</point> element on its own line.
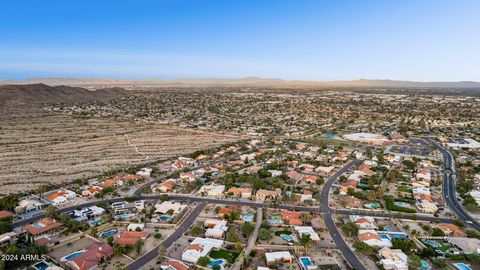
<point>38,148</point>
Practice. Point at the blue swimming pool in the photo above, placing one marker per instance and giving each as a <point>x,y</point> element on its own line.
<point>72,255</point>
<point>165,218</point>
<point>402,204</point>
<point>41,265</point>
<point>122,216</point>
<point>216,262</point>
<point>108,233</point>
<point>306,262</point>
<point>425,265</point>
<point>248,217</point>
<point>398,235</point>
<point>462,266</point>
<point>287,237</point>
<point>384,236</point>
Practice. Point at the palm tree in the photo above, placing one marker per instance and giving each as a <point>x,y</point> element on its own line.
<point>138,246</point>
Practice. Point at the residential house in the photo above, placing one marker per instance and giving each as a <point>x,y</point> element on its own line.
<point>393,259</point>
<point>364,222</point>
<point>278,257</point>
<point>173,265</point>
<point>241,192</point>
<point>95,254</point>
<point>371,238</point>
<point>215,228</point>
<point>450,229</point>
<point>167,207</point>
<point>61,196</point>
<point>263,194</point>
<point>91,191</point>
<point>166,186</point>
<point>292,218</point>
<point>129,238</point>
<point>29,205</point>
<point>212,190</point>
<point>308,231</point>
<point>200,247</point>
<point>325,170</point>
<point>43,227</point>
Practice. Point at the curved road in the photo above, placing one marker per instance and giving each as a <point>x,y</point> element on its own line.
<point>448,187</point>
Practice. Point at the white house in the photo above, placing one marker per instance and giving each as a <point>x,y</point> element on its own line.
<point>309,231</point>
<point>371,238</point>
<point>212,190</point>
<point>215,228</point>
<point>135,227</point>
<point>200,247</point>
<point>144,172</point>
<point>164,207</point>
<point>393,259</point>
<point>364,222</point>
<point>278,257</point>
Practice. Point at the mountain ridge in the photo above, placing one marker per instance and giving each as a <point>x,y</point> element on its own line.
<point>252,81</point>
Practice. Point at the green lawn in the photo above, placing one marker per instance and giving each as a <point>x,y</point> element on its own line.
<point>230,256</point>
<point>278,233</point>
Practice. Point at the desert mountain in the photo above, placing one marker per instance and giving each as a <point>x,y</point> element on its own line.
<point>29,94</point>
<point>248,81</point>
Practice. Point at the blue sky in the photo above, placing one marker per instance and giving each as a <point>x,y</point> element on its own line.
<point>316,40</point>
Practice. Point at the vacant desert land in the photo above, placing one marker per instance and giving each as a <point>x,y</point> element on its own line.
<point>48,148</point>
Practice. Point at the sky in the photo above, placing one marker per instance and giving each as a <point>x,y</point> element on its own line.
<point>428,40</point>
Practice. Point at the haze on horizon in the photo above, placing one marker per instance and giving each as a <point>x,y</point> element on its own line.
<point>308,40</point>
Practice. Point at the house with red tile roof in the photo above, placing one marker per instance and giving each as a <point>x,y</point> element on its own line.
<point>310,179</point>
<point>129,238</point>
<point>292,217</point>
<point>42,227</point>
<point>95,254</point>
<point>174,265</point>
<point>295,176</point>
<point>227,210</point>
<point>166,186</point>
<point>91,191</point>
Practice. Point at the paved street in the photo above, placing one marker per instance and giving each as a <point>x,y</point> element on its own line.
<point>137,264</point>
<point>252,240</point>
<point>448,187</point>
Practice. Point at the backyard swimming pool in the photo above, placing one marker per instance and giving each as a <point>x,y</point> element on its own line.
<point>371,205</point>
<point>462,266</point>
<point>287,237</point>
<point>72,255</point>
<point>306,262</point>
<point>402,204</point>
<point>165,218</point>
<point>248,217</point>
<point>220,262</point>
<point>41,265</point>
<point>122,216</point>
<point>108,233</point>
<point>425,265</point>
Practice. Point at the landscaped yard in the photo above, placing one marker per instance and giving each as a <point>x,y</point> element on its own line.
<point>278,233</point>
<point>228,255</point>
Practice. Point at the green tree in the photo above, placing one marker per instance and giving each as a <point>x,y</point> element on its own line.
<point>414,262</point>
<point>232,235</point>
<point>363,247</point>
<point>264,234</point>
<point>51,212</point>
<point>203,261</point>
<point>405,244</point>
<point>196,230</point>
<point>437,232</point>
<point>138,246</point>
<point>350,228</point>
<point>247,228</point>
